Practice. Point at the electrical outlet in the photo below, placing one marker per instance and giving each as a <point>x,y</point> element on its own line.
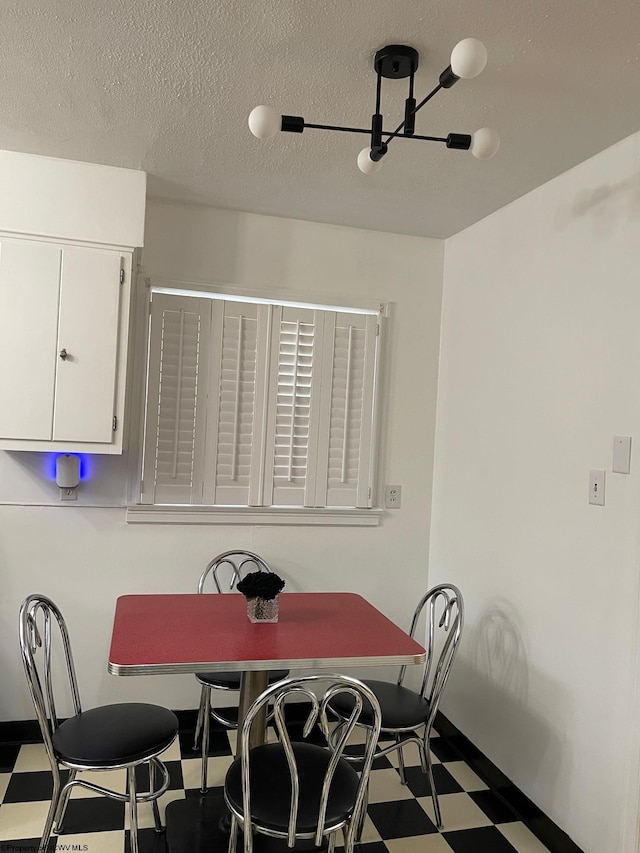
<point>392,497</point>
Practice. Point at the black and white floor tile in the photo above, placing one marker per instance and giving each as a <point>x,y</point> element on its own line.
<point>400,818</point>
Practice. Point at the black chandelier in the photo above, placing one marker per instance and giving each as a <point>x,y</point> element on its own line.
<point>396,61</point>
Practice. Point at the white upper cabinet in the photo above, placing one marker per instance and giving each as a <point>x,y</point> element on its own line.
<point>28,336</point>
<point>60,324</point>
<point>65,287</point>
<point>87,345</point>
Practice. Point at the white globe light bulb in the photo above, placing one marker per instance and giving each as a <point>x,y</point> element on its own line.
<point>366,165</point>
<point>264,122</point>
<point>484,143</point>
<point>468,58</point>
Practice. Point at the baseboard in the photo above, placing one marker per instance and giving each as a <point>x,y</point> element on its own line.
<point>20,731</point>
<point>540,825</point>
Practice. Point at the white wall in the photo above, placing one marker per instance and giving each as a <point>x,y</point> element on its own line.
<point>85,556</point>
<point>540,368</point>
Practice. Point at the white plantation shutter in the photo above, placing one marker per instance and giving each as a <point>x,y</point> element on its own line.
<point>256,404</point>
<point>293,407</point>
<point>345,442</point>
<point>236,409</point>
<point>176,400</point>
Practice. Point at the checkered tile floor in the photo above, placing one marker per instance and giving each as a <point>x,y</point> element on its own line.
<point>400,818</point>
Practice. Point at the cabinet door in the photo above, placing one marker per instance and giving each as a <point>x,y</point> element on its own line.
<point>29,284</point>
<point>88,331</point>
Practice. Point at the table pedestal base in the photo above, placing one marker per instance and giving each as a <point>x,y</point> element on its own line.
<point>193,826</point>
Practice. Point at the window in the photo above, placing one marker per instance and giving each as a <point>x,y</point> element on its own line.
<point>253,403</point>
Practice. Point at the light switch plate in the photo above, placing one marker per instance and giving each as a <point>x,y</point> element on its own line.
<point>596,487</point>
<point>621,454</point>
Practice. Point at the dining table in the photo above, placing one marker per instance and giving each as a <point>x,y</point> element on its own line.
<point>174,633</point>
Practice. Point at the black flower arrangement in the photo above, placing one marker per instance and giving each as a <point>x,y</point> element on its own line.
<point>265,585</point>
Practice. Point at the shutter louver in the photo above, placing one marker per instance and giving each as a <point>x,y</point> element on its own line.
<point>348,413</point>
<point>175,401</point>
<point>293,414</point>
<point>235,410</point>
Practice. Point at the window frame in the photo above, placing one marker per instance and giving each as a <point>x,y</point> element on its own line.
<point>137,512</point>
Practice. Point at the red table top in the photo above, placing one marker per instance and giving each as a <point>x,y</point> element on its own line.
<point>154,634</point>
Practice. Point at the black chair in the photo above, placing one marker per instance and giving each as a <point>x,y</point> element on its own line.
<point>300,790</point>
<point>406,711</point>
<point>236,563</point>
<point>111,737</point>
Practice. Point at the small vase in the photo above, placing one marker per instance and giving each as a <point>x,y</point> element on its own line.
<point>262,609</point>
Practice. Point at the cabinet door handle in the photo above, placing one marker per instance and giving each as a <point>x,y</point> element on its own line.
<point>63,354</point>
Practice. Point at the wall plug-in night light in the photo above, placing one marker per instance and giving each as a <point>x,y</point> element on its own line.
<point>68,476</point>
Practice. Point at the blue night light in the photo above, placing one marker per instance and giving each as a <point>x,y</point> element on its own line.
<point>85,465</point>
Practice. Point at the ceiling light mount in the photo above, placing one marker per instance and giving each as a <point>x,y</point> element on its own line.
<point>396,62</point>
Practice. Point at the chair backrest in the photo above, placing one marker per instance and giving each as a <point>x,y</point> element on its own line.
<point>318,690</point>
<point>444,621</point>
<point>39,617</point>
<point>237,564</point>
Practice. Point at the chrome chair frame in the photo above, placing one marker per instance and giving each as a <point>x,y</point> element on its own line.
<point>435,675</point>
<point>42,694</point>
<point>205,709</point>
<point>303,687</point>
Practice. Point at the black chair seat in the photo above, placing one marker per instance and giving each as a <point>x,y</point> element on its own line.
<point>406,712</point>
<point>231,680</point>
<point>401,708</point>
<point>271,787</point>
<point>115,734</point>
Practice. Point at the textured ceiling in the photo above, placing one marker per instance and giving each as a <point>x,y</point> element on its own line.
<point>166,86</point>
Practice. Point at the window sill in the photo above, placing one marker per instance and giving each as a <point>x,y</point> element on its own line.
<point>335,517</point>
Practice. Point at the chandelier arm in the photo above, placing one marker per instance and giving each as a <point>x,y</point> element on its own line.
<point>428,98</point>
<point>366,130</point>
<point>377,119</point>
<point>389,134</point>
<point>410,110</point>
<point>413,112</point>
<point>427,138</point>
